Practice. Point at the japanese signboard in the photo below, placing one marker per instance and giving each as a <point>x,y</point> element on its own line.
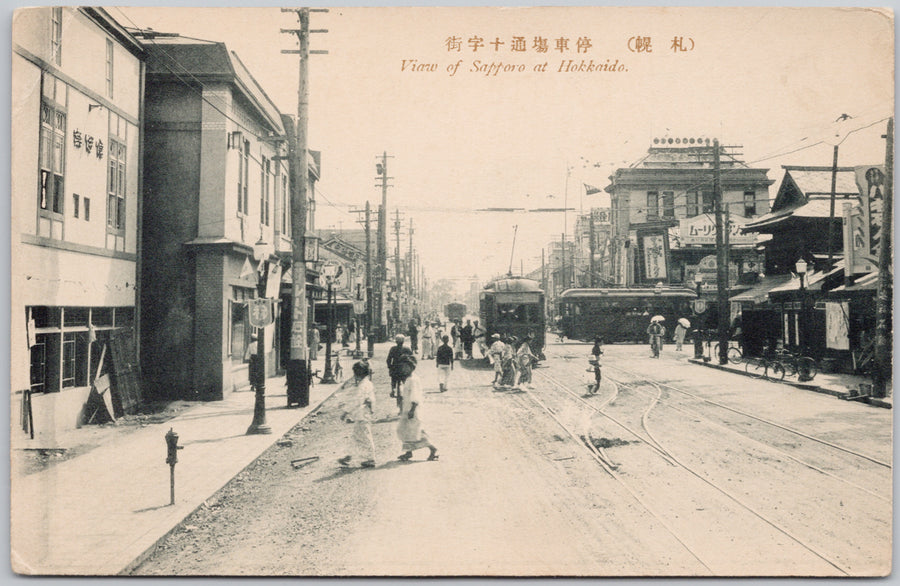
<point>654,256</point>
<point>702,230</point>
<point>261,314</point>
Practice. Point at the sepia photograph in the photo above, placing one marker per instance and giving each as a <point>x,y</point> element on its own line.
<point>384,291</point>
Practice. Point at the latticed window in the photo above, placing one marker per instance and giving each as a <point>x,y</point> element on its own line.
<point>749,204</point>
<point>56,35</point>
<point>52,161</point>
<point>692,209</point>
<point>652,204</point>
<point>115,210</point>
<point>668,204</point>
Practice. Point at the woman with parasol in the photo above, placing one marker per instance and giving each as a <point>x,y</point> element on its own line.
<point>657,332</point>
<point>681,329</point>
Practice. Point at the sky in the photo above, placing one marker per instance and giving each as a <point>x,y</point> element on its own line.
<point>467,137</point>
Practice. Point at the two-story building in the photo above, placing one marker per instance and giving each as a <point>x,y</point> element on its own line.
<point>216,183</point>
<point>77,81</point>
<point>663,215</point>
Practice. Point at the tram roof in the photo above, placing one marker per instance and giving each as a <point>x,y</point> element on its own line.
<point>589,293</point>
<point>513,285</point>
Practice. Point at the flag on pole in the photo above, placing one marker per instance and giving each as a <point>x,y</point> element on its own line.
<point>590,189</point>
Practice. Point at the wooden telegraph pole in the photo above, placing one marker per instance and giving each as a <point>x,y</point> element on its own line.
<point>298,371</point>
<point>721,258</point>
<point>882,373</point>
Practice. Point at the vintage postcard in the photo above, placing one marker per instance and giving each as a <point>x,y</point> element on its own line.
<point>462,291</point>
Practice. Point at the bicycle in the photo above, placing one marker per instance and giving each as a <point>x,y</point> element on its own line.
<point>804,367</point>
<point>735,356</point>
<point>762,367</point>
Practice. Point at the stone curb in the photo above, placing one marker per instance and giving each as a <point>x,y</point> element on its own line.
<point>149,551</point>
<point>806,387</point>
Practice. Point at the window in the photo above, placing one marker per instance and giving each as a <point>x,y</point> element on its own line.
<point>56,35</point>
<point>668,204</point>
<point>749,204</point>
<point>62,352</point>
<point>264,192</point>
<point>109,67</point>
<point>709,205</point>
<point>75,198</point>
<point>652,204</point>
<point>87,209</point>
<point>52,160</point>
<point>285,206</point>
<point>244,178</point>
<point>691,204</point>
<point>115,211</point>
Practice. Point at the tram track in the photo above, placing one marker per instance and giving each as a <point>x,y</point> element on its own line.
<point>651,441</point>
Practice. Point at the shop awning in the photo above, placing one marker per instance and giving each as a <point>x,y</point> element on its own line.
<point>759,293</point>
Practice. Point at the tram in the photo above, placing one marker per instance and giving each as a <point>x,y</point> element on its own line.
<point>514,306</point>
<point>455,311</point>
<point>621,315</point>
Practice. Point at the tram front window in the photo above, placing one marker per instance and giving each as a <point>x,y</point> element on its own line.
<point>512,313</point>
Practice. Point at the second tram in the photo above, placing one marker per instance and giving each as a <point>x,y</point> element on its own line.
<point>621,315</point>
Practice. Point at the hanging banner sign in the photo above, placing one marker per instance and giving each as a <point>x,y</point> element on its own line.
<point>856,239</point>
<point>837,325</point>
<point>654,256</point>
<point>870,181</point>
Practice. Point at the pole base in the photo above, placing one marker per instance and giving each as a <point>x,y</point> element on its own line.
<point>258,429</point>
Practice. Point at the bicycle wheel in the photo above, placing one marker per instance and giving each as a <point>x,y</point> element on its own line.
<point>734,355</point>
<point>790,365</point>
<point>807,368</point>
<point>775,370</point>
<point>755,367</point>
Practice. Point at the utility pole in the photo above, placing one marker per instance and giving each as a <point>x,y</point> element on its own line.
<point>381,272</point>
<point>721,258</point>
<point>834,170</point>
<point>397,276</point>
<point>298,367</point>
<point>409,269</point>
<point>370,301</point>
<point>882,373</point>
<point>593,245</point>
<point>562,276</point>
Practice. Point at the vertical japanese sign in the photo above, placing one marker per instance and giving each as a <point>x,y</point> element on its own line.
<point>870,180</point>
<point>837,325</point>
<point>654,257</point>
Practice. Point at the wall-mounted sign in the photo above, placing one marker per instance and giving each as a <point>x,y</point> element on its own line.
<point>654,256</point>
<point>702,230</point>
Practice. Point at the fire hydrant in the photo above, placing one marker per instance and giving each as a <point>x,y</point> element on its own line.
<point>172,448</point>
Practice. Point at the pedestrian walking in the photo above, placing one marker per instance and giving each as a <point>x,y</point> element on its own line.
<point>594,368</point>
<point>467,339</point>
<point>314,339</point>
<point>393,365</point>
<point>597,350</point>
<point>495,354</point>
<point>360,411</point>
<point>680,331</point>
<point>526,358</point>
<point>478,336</point>
<point>509,368</point>
<point>444,362</point>
<point>455,336</point>
<point>409,429</point>
<point>427,342</point>
<point>413,336</point>
<point>656,331</point>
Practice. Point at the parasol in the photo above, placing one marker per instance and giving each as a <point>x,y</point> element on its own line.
<point>657,318</point>
<point>684,322</point>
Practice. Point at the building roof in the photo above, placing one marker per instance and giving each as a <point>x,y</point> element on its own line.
<point>193,61</point>
<point>805,192</point>
<point>759,292</point>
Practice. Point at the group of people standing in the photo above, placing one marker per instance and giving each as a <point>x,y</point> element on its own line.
<point>461,338</point>
<point>512,360</point>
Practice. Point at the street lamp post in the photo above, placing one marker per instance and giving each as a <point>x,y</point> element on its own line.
<point>261,252</point>
<point>800,266</point>
<point>329,271</point>
<point>698,338</point>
